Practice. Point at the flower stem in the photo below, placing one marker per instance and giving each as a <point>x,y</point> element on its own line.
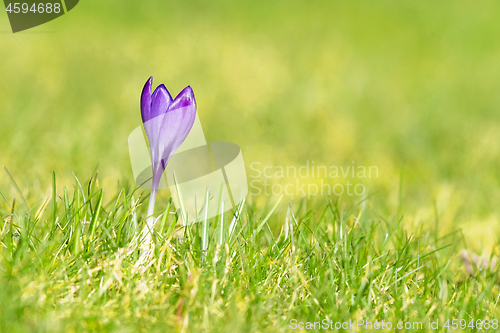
<point>148,229</point>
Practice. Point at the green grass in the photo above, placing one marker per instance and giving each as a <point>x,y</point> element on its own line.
<point>74,269</point>
<point>403,86</point>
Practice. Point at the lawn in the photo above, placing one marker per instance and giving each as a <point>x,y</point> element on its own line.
<point>410,89</point>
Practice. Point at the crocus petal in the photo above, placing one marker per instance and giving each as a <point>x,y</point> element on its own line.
<point>146,100</point>
<point>176,124</point>
<point>184,99</point>
<point>161,101</point>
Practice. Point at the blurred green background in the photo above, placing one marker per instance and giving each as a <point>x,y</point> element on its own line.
<point>410,87</point>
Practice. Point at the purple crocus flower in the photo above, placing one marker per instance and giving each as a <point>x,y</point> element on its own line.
<point>167,123</point>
